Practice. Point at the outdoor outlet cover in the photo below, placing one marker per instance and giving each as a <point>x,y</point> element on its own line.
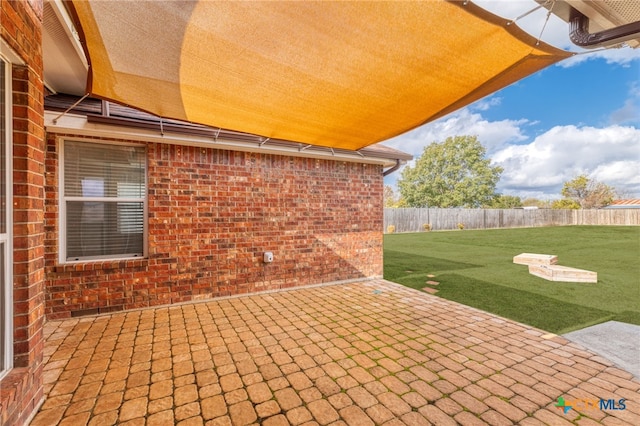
<point>268,257</point>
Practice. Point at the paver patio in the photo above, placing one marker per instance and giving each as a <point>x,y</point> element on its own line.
<point>357,354</point>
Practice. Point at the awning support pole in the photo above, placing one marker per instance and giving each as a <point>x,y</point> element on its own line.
<point>545,22</point>
<point>513,21</point>
<point>55,120</point>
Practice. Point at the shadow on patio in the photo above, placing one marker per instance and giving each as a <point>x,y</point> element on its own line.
<point>358,354</point>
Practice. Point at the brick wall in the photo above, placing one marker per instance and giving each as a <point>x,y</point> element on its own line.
<point>21,391</point>
<point>212,214</point>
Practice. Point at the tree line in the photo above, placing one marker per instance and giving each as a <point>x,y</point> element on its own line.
<point>456,173</point>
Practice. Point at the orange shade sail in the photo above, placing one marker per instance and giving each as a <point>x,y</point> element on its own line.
<point>339,74</point>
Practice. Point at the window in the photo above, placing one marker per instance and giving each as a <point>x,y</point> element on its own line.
<point>103,202</point>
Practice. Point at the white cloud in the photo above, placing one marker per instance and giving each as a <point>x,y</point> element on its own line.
<point>623,56</point>
<point>539,168</point>
<point>610,155</point>
<point>626,173</point>
<point>486,104</point>
<point>492,134</point>
<point>630,111</point>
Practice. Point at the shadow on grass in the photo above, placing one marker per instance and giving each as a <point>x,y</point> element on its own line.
<point>398,264</point>
<point>533,309</point>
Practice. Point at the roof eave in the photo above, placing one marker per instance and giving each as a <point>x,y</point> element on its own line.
<point>87,126</point>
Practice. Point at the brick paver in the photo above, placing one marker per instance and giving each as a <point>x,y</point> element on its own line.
<point>351,354</point>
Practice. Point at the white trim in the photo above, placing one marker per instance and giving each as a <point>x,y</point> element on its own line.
<point>107,199</point>
<point>114,258</point>
<point>6,332</point>
<point>9,54</point>
<point>62,204</point>
<point>79,125</point>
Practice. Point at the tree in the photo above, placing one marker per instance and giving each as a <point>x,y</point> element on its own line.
<point>453,173</point>
<point>588,193</point>
<point>565,203</point>
<point>390,198</point>
<point>504,202</point>
<point>534,202</point>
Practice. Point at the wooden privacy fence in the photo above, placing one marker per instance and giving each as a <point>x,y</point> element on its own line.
<point>415,219</point>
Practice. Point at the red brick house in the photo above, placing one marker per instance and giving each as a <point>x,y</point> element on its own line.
<point>22,149</point>
<point>139,215</point>
<point>114,209</point>
<point>105,208</point>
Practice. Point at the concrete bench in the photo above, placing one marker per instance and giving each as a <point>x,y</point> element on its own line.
<point>563,273</point>
<point>535,259</point>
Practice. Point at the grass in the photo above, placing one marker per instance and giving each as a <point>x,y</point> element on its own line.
<point>476,268</point>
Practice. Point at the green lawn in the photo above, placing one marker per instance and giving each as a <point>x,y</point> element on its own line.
<point>476,268</point>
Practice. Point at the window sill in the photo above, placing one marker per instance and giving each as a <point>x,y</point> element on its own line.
<point>102,265</point>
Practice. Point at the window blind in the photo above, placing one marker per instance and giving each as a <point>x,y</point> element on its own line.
<point>104,197</point>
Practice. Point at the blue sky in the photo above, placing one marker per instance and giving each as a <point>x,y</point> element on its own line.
<point>579,116</point>
<point>587,94</point>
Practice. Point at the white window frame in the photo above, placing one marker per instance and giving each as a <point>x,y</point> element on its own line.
<point>62,205</point>
<point>8,58</point>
